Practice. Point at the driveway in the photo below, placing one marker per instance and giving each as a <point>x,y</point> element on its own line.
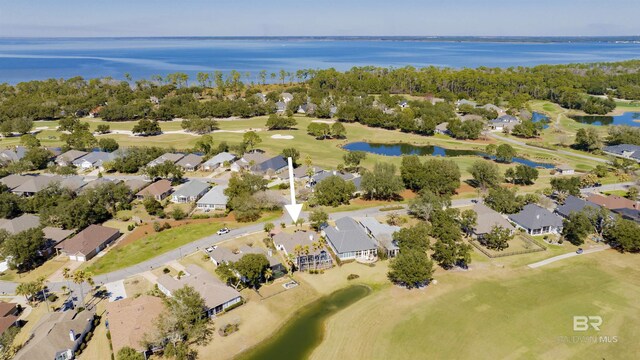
<point>116,290</point>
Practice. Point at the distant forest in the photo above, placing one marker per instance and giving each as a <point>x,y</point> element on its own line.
<point>213,95</point>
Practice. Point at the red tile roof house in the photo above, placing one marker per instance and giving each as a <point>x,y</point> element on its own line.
<point>612,202</point>
<point>88,242</point>
<point>158,190</point>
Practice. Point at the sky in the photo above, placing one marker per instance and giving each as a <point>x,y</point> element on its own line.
<point>61,18</point>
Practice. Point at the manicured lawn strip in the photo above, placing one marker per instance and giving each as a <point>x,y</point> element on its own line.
<point>45,270</point>
<point>153,245</point>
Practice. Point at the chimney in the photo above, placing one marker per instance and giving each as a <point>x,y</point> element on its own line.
<point>72,335</point>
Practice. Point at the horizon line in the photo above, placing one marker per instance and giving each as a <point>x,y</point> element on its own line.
<point>327,36</point>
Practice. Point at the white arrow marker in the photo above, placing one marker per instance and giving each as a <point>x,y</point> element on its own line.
<point>293,209</point>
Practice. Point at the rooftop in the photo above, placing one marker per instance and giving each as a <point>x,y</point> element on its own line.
<point>131,318</point>
<point>533,216</point>
<point>348,236</point>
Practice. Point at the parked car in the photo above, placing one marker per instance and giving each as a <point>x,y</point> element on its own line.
<point>223,231</point>
<point>579,251</point>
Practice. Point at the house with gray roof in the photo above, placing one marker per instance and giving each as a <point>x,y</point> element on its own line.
<point>286,97</point>
<point>300,173</point>
<point>222,255</point>
<point>271,166</point>
<point>574,204</point>
<point>503,122</point>
<point>626,151</point>
<point>261,96</point>
<point>217,296</point>
<point>190,162</point>
<point>67,158</point>
<point>349,240</point>
<point>190,192</point>
<point>174,158</point>
<point>94,160</point>
<point>307,252</point>
<point>215,199</point>
<point>382,233</point>
<point>57,336</point>
<point>466,102</point>
<point>218,161</point>
<point>32,184</point>
<point>536,220</point>
<point>281,107</point>
<point>326,173</point>
<point>487,219</point>
<point>12,155</point>
<point>14,180</point>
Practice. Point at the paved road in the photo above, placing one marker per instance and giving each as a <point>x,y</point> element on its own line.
<point>564,152</point>
<point>566,256</point>
<point>608,187</point>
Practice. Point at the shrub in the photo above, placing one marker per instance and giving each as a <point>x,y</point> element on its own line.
<point>130,227</point>
<point>52,297</point>
<point>166,271</point>
<point>157,227</point>
<point>166,226</point>
<point>353,276</point>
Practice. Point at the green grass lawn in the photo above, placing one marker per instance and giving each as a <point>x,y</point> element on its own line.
<point>151,246</point>
<point>44,270</point>
<point>513,313</point>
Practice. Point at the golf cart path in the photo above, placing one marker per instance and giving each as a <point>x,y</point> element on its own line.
<point>566,256</point>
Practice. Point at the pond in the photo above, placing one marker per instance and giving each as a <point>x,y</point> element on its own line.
<point>300,335</point>
<point>628,119</point>
<point>538,117</point>
<point>409,149</point>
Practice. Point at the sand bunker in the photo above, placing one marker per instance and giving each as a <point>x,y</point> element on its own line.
<point>282,137</point>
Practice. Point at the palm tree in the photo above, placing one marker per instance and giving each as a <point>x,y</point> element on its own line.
<point>268,274</point>
<point>80,277</point>
<point>25,290</point>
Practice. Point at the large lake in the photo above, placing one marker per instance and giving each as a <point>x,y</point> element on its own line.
<point>35,58</point>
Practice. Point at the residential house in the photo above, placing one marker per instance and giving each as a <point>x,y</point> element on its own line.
<point>349,240</point>
<point>308,108</point>
<point>321,175</point>
<point>154,100</point>
<point>466,102</point>
<point>12,155</point>
<point>271,166</point>
<point>136,185</point>
<point>487,219</point>
<point>88,243</point>
<point>612,202</point>
<point>158,190</point>
<point>495,108</point>
<point>57,336</point>
<point>626,151</point>
<point>190,162</point>
<point>300,173</point>
<point>382,234</point>
<point>536,220</point>
<point>218,161</point>
<point>281,107</point>
<point>221,255</point>
<point>94,160</point>
<point>629,214</point>
<point>67,158</point>
<point>8,315</point>
<point>131,318</point>
<point>28,185</point>
<point>262,97</point>
<point>99,182</point>
<point>24,222</point>
<point>174,158</point>
<point>248,160</point>
<point>190,192</point>
<point>469,117</point>
<point>442,128</point>
<point>565,170</point>
<point>503,122</point>
<point>574,204</point>
<point>215,199</point>
<point>305,248</point>
<point>286,97</point>
<point>217,296</point>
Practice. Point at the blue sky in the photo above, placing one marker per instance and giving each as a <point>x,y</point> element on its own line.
<point>319,17</point>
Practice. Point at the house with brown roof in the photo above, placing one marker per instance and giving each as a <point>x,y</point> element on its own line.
<point>8,315</point>
<point>57,336</point>
<point>131,318</point>
<point>217,296</point>
<point>612,202</point>
<point>88,242</point>
<point>158,190</point>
